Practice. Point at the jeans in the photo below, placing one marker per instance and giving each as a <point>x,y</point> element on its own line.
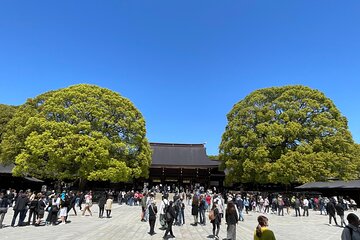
<point>202,216</point>
<point>306,209</point>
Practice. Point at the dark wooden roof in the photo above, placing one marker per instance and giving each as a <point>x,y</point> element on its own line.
<point>354,184</point>
<point>181,155</point>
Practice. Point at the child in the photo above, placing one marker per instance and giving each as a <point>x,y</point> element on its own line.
<point>108,206</point>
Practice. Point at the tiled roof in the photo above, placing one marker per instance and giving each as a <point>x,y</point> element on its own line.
<point>175,154</point>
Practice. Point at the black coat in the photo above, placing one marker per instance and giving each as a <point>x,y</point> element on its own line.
<point>152,212</point>
<point>5,202</point>
<point>330,208</point>
<point>195,209</point>
<point>217,219</point>
<point>339,209</point>
<point>21,202</point>
<point>172,215</point>
<point>231,218</point>
<point>102,202</point>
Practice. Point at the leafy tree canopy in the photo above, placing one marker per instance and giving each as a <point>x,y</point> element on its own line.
<point>6,114</point>
<point>285,135</point>
<point>82,131</point>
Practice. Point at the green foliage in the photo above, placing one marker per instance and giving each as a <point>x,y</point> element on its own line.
<point>82,131</point>
<point>285,135</point>
<point>6,114</point>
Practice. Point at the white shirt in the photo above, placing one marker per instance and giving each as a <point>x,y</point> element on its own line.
<point>306,203</point>
<point>162,205</point>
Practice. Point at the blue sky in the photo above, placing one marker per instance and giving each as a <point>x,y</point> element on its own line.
<point>184,64</point>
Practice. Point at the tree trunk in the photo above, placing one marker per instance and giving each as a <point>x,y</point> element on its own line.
<point>82,184</point>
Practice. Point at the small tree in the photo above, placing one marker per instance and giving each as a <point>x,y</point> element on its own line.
<point>80,132</point>
<point>285,135</point>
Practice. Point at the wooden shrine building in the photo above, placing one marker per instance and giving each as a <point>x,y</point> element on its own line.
<point>184,164</point>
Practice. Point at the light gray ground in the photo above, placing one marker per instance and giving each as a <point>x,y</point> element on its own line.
<point>126,224</point>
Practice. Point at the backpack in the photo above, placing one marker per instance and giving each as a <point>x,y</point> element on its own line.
<point>211,215</point>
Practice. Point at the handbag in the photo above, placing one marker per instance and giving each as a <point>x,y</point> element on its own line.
<point>54,209</point>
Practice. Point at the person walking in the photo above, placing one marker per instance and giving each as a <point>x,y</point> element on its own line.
<point>72,203</point>
<point>88,203</point>
<point>340,211</point>
<point>262,232</point>
<point>170,216</point>
<point>351,231</point>
<point>231,217</point>
<point>330,208</point>
<point>162,210</point>
<point>152,217</point>
<point>108,206</point>
<point>215,219</point>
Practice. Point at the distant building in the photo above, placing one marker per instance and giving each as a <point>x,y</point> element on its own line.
<point>184,164</point>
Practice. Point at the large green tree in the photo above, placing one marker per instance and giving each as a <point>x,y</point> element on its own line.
<point>6,114</point>
<point>80,132</point>
<point>286,135</point>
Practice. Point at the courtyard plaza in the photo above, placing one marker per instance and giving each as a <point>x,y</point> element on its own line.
<point>125,224</point>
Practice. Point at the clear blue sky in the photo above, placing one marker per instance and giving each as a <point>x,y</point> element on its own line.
<point>184,64</point>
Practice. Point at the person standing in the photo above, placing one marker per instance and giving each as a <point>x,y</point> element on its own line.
<point>108,206</point>
<point>351,231</point>
<point>101,205</point>
<point>4,205</point>
<point>297,205</point>
<point>231,217</point>
<point>215,219</point>
<point>195,209</point>
<point>262,232</point>
<point>33,209</point>
<point>202,208</point>
<point>152,216</point>
<point>170,216</point>
<point>40,208</point>
<point>305,207</point>
<point>20,208</point>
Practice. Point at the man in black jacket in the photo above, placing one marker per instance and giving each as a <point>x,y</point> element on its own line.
<point>340,211</point>
<point>330,208</point>
<point>152,209</point>
<point>20,207</point>
<point>170,216</point>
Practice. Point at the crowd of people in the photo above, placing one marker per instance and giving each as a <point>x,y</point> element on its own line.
<point>207,207</point>
<point>49,208</point>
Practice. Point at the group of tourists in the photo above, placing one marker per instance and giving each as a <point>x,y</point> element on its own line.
<point>204,207</point>
<point>49,208</point>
